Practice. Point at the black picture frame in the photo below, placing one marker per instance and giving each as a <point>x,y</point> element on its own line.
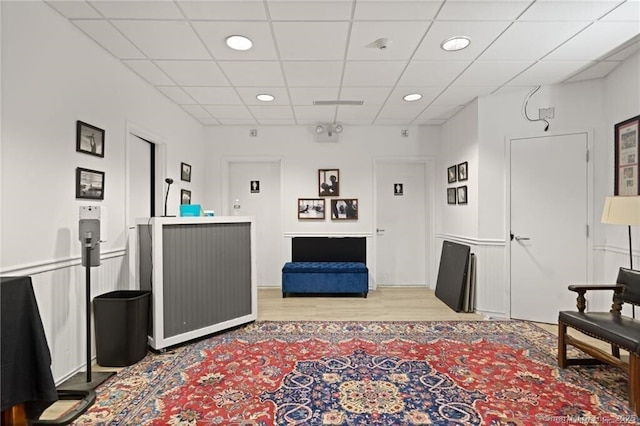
<point>626,137</point>
<point>463,172</point>
<point>89,139</point>
<point>185,196</point>
<point>452,174</point>
<point>461,195</point>
<point>328,182</point>
<point>185,172</point>
<point>344,209</point>
<point>89,184</point>
<point>451,196</point>
<point>311,208</point>
<point>254,186</point>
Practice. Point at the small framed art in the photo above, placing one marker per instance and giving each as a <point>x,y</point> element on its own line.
<point>452,174</point>
<point>451,196</point>
<point>462,171</point>
<point>89,184</point>
<point>185,196</point>
<point>345,209</point>
<point>311,208</point>
<point>185,172</point>
<point>626,157</point>
<point>89,139</point>
<point>462,194</point>
<point>328,182</point>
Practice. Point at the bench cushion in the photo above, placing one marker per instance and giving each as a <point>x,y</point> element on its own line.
<point>618,329</point>
<point>324,267</point>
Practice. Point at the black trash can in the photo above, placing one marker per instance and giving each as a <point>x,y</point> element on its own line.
<point>121,322</point>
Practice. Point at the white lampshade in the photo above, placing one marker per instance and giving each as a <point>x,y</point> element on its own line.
<point>622,210</point>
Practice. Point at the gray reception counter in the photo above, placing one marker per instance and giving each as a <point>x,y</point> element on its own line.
<point>201,273</point>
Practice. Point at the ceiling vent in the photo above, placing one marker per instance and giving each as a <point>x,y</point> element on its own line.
<point>338,102</point>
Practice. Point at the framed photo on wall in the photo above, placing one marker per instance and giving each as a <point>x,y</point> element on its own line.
<point>89,139</point>
<point>89,184</point>
<point>626,157</point>
<point>185,172</point>
<point>311,208</point>
<point>328,182</point>
<point>344,209</point>
<point>462,171</point>
<point>452,174</point>
<point>462,194</point>
<point>451,196</point>
<point>185,196</point>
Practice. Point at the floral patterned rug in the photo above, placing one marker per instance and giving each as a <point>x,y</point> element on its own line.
<point>364,373</point>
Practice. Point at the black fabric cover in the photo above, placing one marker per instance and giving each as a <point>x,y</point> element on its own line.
<point>329,249</point>
<point>26,360</point>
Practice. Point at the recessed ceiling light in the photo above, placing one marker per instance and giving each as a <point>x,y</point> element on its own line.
<point>412,97</point>
<point>265,97</point>
<point>455,43</point>
<point>238,42</point>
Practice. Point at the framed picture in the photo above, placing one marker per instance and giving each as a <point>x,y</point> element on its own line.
<point>451,195</point>
<point>185,196</point>
<point>185,172</point>
<point>310,208</point>
<point>452,174</point>
<point>626,157</point>
<point>255,186</point>
<point>89,139</point>
<point>328,182</point>
<point>462,171</point>
<point>344,209</point>
<point>89,184</point>
<point>462,195</point>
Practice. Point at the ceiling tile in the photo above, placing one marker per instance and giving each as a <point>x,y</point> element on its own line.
<point>214,95</point>
<point>109,38</point>
<point>209,121</point>
<point>568,10</point>
<point>237,121</point>
<point>590,43</point>
<point>372,73</point>
<point>548,72</point>
<point>432,73</point>
<point>271,112</point>
<point>248,95</point>
<point>481,34</point>
<point>229,111</point>
<point>403,39</point>
<point>313,74</point>
<point>309,10</point>
<point>306,95</point>
<point>598,70</point>
<point>396,10</point>
<point>277,122</point>
<point>219,10</point>
<point>370,95</point>
<point>74,9</point>
<point>311,40</point>
<point>214,36</point>
<point>193,73</point>
<point>164,39</point>
<point>439,112</point>
<point>253,73</point>
<point>628,11</point>
<point>135,9</point>
<point>462,95</point>
<point>178,95</point>
<point>491,73</point>
<point>548,36</point>
<point>353,112</point>
<point>315,113</point>
<point>150,72</point>
<point>477,10</point>
<point>406,112</point>
<point>196,111</point>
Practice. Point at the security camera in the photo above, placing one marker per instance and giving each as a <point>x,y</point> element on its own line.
<point>382,43</point>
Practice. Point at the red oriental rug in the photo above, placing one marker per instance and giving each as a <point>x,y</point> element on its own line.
<point>364,373</point>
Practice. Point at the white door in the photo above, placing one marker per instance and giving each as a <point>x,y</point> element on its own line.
<point>549,205</point>
<point>256,185</point>
<point>401,223</point>
<point>139,200</point>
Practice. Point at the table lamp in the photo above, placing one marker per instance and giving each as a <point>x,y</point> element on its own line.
<point>623,210</point>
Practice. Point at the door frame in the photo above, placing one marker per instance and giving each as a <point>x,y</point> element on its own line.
<point>429,182</point>
<point>590,216</point>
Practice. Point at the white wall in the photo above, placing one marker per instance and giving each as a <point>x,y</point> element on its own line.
<point>52,75</point>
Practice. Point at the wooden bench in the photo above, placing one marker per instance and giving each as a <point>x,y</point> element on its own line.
<point>620,331</point>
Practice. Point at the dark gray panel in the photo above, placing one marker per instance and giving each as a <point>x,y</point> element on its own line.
<point>207,275</point>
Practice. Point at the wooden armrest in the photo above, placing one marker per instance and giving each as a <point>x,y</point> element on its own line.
<point>581,289</point>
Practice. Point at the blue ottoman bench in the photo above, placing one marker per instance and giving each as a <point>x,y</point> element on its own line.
<point>325,277</point>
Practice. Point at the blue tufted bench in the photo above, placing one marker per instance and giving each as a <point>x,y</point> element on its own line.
<point>325,277</point>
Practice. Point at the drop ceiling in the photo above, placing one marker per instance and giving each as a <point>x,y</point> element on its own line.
<point>306,51</point>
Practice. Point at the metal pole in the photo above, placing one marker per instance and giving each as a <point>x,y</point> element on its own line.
<point>88,301</point>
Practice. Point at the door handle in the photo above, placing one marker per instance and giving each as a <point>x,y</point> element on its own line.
<point>379,230</point>
<point>519,238</point>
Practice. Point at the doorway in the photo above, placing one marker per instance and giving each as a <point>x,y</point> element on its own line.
<point>549,205</point>
<point>403,223</point>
